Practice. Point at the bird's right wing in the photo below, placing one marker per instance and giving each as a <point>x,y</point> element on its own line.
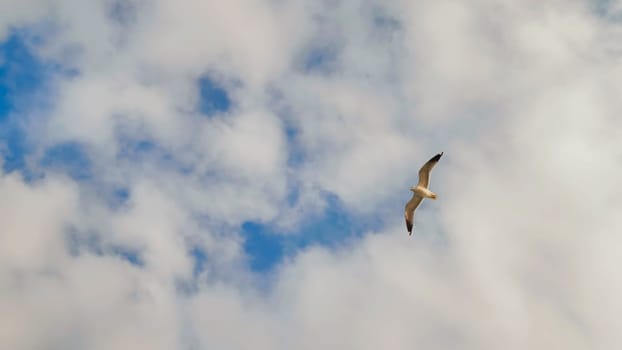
<point>424,172</point>
<point>409,212</point>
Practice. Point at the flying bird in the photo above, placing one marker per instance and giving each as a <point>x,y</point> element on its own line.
<point>420,191</point>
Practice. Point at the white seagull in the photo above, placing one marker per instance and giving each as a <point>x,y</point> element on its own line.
<point>420,191</point>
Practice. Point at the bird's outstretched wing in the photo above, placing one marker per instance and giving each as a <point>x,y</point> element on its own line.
<point>409,212</point>
<point>424,172</point>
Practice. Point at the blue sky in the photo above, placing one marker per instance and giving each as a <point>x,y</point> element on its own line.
<point>21,74</point>
<point>24,90</point>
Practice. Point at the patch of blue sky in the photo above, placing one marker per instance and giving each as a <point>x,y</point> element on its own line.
<point>213,97</point>
<point>24,86</point>
<point>21,73</point>
<point>334,228</point>
<point>70,158</point>
<point>263,247</point>
<point>14,148</point>
<point>199,256</point>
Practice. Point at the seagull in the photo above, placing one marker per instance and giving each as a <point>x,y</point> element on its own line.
<point>420,191</point>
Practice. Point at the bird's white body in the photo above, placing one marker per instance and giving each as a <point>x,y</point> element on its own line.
<point>423,192</point>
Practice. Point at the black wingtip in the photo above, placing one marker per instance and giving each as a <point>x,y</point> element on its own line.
<point>437,157</point>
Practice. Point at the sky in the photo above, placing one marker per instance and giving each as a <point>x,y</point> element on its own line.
<point>201,175</point>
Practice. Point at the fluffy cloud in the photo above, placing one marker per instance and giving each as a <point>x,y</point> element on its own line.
<point>346,98</point>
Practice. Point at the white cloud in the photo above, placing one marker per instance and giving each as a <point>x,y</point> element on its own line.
<point>33,221</point>
<point>523,99</point>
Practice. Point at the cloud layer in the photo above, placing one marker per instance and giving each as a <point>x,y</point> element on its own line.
<point>123,225</point>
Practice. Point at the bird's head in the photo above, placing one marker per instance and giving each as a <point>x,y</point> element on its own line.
<point>413,189</point>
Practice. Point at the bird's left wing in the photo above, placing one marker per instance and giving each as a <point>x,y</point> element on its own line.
<point>424,172</point>
<point>409,212</point>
